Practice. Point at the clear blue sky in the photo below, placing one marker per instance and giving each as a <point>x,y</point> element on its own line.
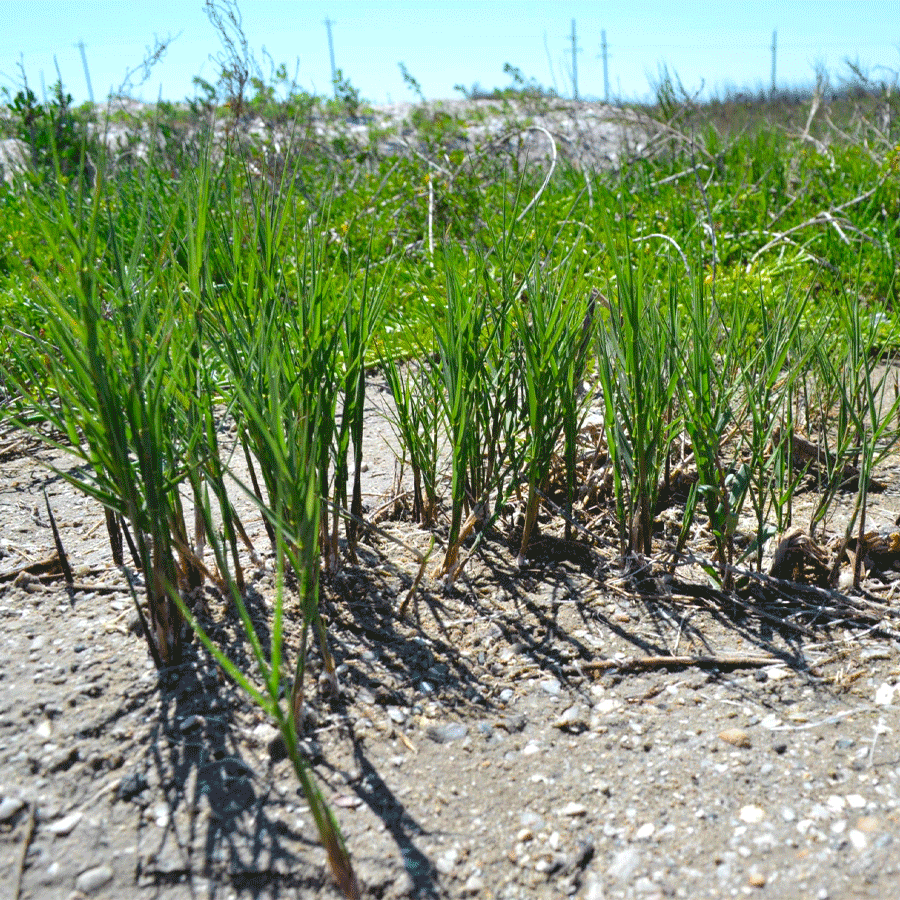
<point>447,43</point>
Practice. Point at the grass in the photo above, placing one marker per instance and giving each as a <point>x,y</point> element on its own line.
<point>722,298</point>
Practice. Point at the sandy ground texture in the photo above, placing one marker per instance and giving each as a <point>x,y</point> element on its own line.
<point>531,734</point>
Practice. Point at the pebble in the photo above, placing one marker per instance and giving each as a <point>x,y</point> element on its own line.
<point>446,861</point>
<point>444,734</point>
<point>473,885</point>
<point>93,879</point>
<point>573,809</point>
<point>645,832</point>
<point>573,719</point>
<point>551,686</point>
<point>884,696</point>
<point>624,864</point>
<point>737,737</point>
<point>65,825</point>
<point>131,785</point>
<point>751,814</point>
<point>9,807</point>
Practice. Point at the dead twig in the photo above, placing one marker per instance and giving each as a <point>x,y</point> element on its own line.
<point>26,846</point>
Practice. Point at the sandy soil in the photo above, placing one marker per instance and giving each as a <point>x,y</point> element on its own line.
<point>531,734</point>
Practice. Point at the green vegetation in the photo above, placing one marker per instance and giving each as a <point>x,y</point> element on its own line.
<point>728,289</point>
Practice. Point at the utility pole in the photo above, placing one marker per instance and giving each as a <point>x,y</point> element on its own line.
<point>604,53</point>
<point>774,50</point>
<point>574,62</point>
<point>328,24</point>
<point>87,74</point>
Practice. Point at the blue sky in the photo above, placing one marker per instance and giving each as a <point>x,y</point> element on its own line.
<point>447,43</point>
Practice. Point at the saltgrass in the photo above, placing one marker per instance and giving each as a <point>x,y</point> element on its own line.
<point>707,393</point>
<point>105,373</point>
<point>768,376</point>
<point>635,347</point>
<point>553,328</point>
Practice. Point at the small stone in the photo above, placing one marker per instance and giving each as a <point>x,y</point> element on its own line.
<point>737,737</point>
<point>573,809</point>
<point>645,832</point>
<point>93,879</point>
<point>757,880</point>
<point>858,839</point>
<point>397,716</point>
<point>44,730</point>
<point>551,686</point>
<point>855,801</point>
<point>446,861</point>
<point>884,695</point>
<point>572,720</point>
<point>531,748</point>
<point>9,806</point>
<point>444,734</point>
<point>50,874</point>
<point>751,814</point>
<point>191,722</point>
<point>131,785</point>
<point>66,825</point>
<point>506,695</point>
<point>624,864</point>
<point>473,885</point>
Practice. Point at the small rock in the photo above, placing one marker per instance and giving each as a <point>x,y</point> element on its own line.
<point>50,874</point>
<point>572,720</point>
<point>737,737</point>
<point>397,716</point>
<point>624,864</point>
<point>751,814</point>
<point>93,879</point>
<point>858,839</point>
<point>757,880</point>
<point>473,885</point>
<point>66,825</point>
<point>855,801</point>
<point>9,806</point>
<point>645,832</point>
<point>551,686</point>
<point>446,861</point>
<point>884,696</point>
<point>131,785</point>
<point>444,734</point>
<point>573,809</point>
<point>593,889</point>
